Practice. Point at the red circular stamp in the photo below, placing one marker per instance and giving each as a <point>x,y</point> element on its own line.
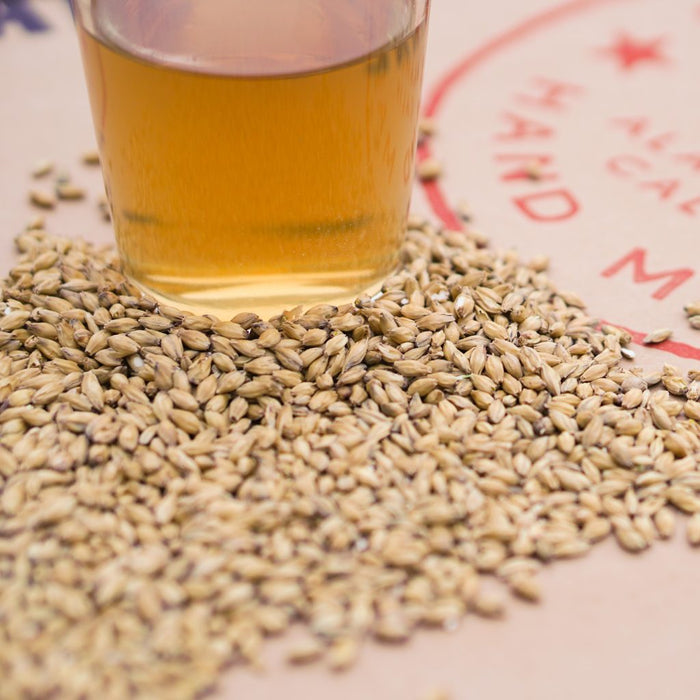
<point>577,133</point>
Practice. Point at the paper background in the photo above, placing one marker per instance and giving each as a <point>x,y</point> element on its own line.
<point>612,625</point>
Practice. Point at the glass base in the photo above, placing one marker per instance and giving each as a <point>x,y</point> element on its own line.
<point>265,295</point>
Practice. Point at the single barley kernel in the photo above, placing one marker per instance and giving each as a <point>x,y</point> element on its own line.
<point>427,127</point>
<point>665,522</point>
<point>631,540</point>
<point>305,652</point>
<point>525,586</point>
<point>90,158</point>
<point>539,263</point>
<point>437,694</point>
<point>429,169</point>
<point>488,605</point>
<point>693,530</point>
<point>42,168</point>
<point>42,199</point>
<point>343,653</point>
<point>533,170</point>
<point>36,222</point>
<point>464,211</point>
<point>658,336</point>
<point>692,308</point>
<point>66,191</point>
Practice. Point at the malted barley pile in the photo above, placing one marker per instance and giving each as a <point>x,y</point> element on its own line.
<point>174,489</point>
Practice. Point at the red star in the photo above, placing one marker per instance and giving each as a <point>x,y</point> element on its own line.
<point>630,51</point>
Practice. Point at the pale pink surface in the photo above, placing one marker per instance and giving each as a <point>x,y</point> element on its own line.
<point>611,625</point>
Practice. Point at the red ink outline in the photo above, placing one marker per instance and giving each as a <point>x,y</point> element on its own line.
<point>444,86</point>
<point>637,258</point>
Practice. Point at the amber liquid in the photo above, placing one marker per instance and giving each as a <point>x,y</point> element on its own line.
<point>256,158</point>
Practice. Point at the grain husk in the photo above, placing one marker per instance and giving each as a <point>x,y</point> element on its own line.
<point>175,489</point>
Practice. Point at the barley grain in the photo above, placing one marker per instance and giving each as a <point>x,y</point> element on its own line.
<point>42,199</point>
<point>488,605</point>
<point>347,469</point>
<point>429,169</point>
<point>42,168</point>
<point>67,191</point>
<point>692,308</point>
<point>693,530</point>
<point>658,336</point>
<point>90,158</point>
<point>305,652</point>
<point>343,653</point>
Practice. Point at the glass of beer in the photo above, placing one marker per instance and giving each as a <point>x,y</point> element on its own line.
<point>256,155</point>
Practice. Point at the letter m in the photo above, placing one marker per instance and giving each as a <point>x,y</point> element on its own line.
<point>637,258</point>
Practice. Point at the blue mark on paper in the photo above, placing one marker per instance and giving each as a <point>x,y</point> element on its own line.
<point>24,14</point>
